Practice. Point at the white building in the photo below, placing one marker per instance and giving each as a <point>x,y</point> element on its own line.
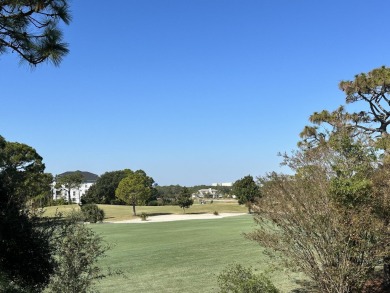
<point>75,193</point>
<point>208,192</point>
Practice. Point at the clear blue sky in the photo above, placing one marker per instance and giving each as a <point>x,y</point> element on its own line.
<point>191,91</point>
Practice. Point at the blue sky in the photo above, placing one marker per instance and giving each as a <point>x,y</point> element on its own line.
<point>191,91</point>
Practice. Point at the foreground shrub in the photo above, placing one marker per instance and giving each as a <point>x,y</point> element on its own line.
<point>238,279</point>
<point>77,250</point>
<point>92,213</point>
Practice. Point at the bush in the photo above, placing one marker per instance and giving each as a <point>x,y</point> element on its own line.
<point>216,213</point>
<point>143,216</point>
<point>238,279</point>
<point>92,213</point>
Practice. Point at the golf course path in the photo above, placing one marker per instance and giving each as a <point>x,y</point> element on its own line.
<point>176,217</point>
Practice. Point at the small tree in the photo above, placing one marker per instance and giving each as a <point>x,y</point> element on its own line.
<point>184,200</point>
<point>246,191</point>
<point>135,189</point>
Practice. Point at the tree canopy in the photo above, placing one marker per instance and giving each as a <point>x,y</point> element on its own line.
<point>103,191</point>
<point>135,189</point>
<point>246,190</point>
<point>25,251</point>
<point>184,200</point>
<point>31,29</point>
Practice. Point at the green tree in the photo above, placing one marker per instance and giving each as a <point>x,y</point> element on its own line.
<point>319,227</point>
<point>25,252</point>
<point>169,194</point>
<point>371,92</point>
<point>184,200</point>
<point>135,189</point>
<point>31,29</point>
<point>103,191</point>
<point>69,181</point>
<point>246,191</point>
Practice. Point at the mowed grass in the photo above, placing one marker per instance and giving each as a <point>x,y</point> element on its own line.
<point>181,256</point>
<point>119,213</point>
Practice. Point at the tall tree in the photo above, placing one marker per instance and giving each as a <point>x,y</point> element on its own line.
<point>25,252</point>
<point>70,181</point>
<point>321,218</point>
<point>31,29</point>
<point>135,189</point>
<point>246,191</point>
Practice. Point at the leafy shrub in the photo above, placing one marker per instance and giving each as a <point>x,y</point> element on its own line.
<point>238,279</point>
<point>78,250</point>
<point>216,213</point>
<point>92,213</point>
<point>143,216</point>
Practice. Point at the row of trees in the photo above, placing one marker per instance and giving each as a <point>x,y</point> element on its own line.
<point>330,218</point>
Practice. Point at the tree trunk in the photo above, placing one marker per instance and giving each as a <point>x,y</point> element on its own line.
<point>134,214</point>
<point>69,201</point>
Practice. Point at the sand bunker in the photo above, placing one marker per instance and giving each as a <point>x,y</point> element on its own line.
<point>174,217</point>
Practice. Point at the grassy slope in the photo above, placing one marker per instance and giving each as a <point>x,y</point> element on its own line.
<point>182,256</point>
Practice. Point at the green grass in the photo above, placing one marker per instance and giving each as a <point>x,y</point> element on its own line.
<point>118,213</point>
<point>181,256</point>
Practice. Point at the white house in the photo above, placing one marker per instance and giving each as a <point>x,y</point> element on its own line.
<point>75,193</point>
<point>207,192</point>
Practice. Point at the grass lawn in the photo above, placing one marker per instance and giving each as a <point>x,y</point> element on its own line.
<point>117,213</point>
<point>181,256</point>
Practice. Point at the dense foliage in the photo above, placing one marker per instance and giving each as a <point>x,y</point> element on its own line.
<point>184,200</point>
<point>25,254</point>
<point>91,213</point>
<point>246,190</point>
<point>103,191</point>
<point>135,189</point>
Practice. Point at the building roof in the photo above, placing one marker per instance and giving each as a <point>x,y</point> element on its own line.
<point>88,176</point>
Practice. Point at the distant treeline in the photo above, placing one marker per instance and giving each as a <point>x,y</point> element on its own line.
<point>103,191</point>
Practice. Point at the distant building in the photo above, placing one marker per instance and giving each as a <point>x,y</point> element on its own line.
<point>228,184</point>
<point>207,192</point>
<point>75,193</point>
